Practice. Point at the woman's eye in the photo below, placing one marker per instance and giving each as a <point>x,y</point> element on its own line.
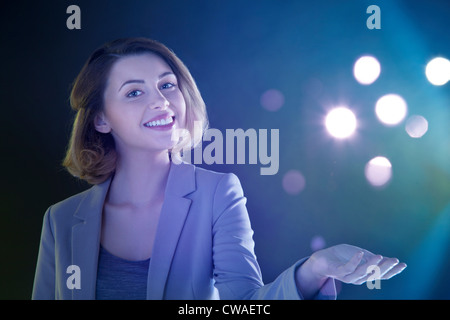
<point>167,85</point>
<point>134,93</point>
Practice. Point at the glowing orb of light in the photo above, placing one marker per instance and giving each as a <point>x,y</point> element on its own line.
<point>293,182</point>
<point>391,109</point>
<point>340,122</point>
<point>416,126</point>
<point>438,71</point>
<point>366,70</point>
<point>272,100</point>
<point>317,243</point>
<point>378,171</point>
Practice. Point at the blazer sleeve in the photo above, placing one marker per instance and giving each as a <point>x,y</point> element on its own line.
<point>44,280</point>
<point>237,274</point>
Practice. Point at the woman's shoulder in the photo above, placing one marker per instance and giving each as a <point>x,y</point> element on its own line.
<point>212,182</point>
<point>68,206</point>
<point>206,176</point>
<point>73,199</point>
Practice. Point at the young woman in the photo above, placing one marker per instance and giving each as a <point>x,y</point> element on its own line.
<point>150,228</point>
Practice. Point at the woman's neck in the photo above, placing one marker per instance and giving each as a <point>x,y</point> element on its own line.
<point>140,179</point>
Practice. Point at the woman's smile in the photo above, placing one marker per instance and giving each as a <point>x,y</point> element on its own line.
<point>162,122</point>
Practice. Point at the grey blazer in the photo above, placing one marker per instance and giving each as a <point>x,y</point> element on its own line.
<point>203,247</point>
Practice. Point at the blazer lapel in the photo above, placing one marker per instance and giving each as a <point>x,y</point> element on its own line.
<point>86,239</point>
<point>181,182</point>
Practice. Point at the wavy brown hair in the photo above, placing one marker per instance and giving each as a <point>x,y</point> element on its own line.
<point>91,155</point>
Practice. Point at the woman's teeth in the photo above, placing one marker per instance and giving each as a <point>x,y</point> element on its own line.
<point>161,122</point>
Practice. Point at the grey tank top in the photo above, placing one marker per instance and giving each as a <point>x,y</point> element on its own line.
<point>120,279</point>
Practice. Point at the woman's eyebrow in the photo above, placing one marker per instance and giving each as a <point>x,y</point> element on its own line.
<point>131,81</point>
<point>162,75</point>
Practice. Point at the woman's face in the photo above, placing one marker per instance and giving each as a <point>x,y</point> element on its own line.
<point>143,104</point>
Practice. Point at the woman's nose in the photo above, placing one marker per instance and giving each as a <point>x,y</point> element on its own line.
<point>159,101</point>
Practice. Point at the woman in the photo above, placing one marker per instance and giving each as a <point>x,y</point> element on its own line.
<point>150,228</point>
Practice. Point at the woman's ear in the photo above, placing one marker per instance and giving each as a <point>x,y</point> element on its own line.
<point>101,124</point>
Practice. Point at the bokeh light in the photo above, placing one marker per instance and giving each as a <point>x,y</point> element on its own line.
<point>366,70</point>
<point>378,171</point>
<point>438,71</point>
<point>416,126</point>
<point>317,243</point>
<point>272,99</point>
<point>391,109</point>
<point>293,182</point>
<point>340,122</point>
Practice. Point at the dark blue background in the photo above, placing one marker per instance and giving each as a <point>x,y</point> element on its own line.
<point>236,50</point>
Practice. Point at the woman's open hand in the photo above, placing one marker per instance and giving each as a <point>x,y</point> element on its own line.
<point>354,265</point>
<point>345,263</point>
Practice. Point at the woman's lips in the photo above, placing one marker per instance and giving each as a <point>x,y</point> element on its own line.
<point>161,122</point>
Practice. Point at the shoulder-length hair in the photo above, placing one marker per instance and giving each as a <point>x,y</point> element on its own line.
<point>91,155</point>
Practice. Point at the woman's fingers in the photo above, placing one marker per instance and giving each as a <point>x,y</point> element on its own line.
<point>394,271</point>
<point>385,269</point>
<point>361,271</point>
<point>352,264</point>
<point>387,264</point>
